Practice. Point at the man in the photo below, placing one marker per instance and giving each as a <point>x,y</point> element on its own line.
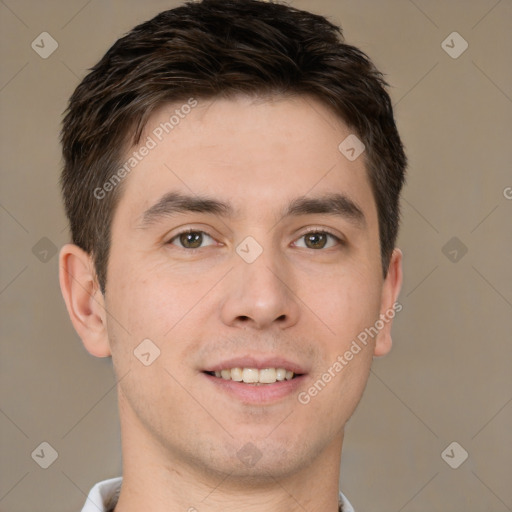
<point>232,177</point>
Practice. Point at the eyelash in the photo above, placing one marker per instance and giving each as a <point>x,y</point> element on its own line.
<point>308,232</point>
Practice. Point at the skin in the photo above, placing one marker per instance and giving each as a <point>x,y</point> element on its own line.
<point>180,432</point>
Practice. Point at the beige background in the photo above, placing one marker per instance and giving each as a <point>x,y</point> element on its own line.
<point>448,376</point>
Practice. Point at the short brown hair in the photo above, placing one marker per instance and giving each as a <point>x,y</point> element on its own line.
<point>219,48</point>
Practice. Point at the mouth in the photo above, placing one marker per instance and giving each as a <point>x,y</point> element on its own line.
<point>254,376</point>
<point>256,381</point>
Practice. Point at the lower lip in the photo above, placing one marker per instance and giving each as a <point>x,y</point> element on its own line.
<point>257,394</point>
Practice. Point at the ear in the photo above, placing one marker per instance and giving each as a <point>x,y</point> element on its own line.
<point>84,300</point>
<point>388,309</point>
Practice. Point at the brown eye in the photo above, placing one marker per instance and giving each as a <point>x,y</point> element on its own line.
<point>191,240</point>
<point>317,240</point>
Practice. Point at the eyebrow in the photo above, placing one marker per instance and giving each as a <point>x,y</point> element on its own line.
<point>330,204</point>
<point>175,202</point>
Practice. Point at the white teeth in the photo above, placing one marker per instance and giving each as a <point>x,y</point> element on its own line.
<point>236,374</point>
<point>255,376</point>
<point>250,375</point>
<point>280,374</point>
<point>268,376</point>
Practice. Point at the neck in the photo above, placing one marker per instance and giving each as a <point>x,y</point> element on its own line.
<point>156,478</point>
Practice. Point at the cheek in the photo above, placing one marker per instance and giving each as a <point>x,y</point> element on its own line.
<point>151,395</point>
<point>146,300</point>
<point>157,303</point>
<point>349,303</point>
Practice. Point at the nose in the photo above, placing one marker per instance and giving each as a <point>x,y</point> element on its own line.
<point>260,296</point>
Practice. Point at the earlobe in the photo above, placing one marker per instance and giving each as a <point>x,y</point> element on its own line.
<point>389,307</point>
<point>84,300</point>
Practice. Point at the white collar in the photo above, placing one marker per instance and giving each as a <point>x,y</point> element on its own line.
<point>104,493</point>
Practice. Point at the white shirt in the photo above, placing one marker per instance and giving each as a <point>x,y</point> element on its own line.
<point>105,493</point>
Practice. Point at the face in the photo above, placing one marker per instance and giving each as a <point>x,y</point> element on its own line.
<point>244,241</point>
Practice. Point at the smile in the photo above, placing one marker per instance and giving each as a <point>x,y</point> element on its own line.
<point>254,376</point>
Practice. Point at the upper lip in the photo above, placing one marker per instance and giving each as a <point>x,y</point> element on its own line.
<point>259,363</point>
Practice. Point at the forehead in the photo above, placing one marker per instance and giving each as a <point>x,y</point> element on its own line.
<point>254,153</point>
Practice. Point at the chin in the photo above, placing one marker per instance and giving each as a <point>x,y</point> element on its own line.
<point>258,462</point>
